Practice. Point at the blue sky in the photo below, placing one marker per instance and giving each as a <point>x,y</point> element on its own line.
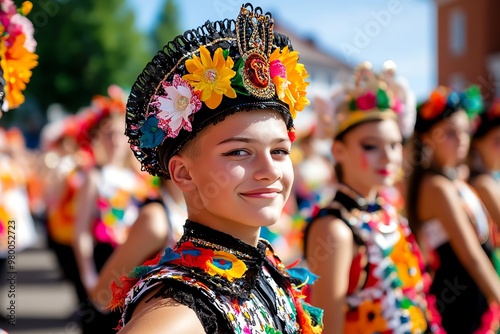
<point>354,30</point>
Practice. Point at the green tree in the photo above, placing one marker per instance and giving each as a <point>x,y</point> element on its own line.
<point>168,25</point>
<point>83,47</point>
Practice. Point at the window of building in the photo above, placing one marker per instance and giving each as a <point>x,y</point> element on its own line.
<point>458,32</point>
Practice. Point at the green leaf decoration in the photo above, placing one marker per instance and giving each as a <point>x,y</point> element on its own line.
<point>352,105</point>
<point>237,80</point>
<point>382,100</point>
<point>473,101</point>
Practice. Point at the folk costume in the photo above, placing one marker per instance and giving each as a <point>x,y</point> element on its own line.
<point>198,79</point>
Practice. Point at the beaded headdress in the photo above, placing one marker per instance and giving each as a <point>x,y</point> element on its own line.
<point>443,102</point>
<point>17,57</point>
<point>206,74</point>
<point>488,119</point>
<point>368,100</point>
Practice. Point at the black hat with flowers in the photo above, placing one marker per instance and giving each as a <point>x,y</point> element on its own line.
<point>445,101</point>
<point>368,100</point>
<point>207,74</point>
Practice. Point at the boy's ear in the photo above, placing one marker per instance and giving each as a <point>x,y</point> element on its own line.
<point>338,150</point>
<point>179,173</point>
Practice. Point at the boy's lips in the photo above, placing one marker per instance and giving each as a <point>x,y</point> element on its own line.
<point>262,193</point>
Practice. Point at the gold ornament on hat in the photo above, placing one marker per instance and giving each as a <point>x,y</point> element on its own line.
<point>255,52</point>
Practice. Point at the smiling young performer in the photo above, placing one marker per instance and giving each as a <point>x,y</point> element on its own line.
<point>371,277</point>
<point>213,111</point>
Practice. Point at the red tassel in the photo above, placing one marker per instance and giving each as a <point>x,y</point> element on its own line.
<point>292,135</point>
<point>293,264</point>
<point>120,292</point>
<point>153,262</point>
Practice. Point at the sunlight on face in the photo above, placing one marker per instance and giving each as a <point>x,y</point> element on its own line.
<point>242,169</point>
<point>370,155</point>
<point>450,140</point>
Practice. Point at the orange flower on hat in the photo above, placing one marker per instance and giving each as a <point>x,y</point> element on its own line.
<point>17,63</point>
<point>211,76</point>
<point>17,47</point>
<point>435,105</point>
<point>289,78</point>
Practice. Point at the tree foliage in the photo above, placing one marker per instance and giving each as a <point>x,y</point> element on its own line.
<point>168,25</point>
<point>83,47</point>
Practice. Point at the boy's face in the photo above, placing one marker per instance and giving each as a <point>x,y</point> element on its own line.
<point>240,171</point>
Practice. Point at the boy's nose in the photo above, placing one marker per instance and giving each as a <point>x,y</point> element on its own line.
<point>267,169</point>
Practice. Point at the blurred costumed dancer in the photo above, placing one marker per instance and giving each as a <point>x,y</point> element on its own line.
<point>449,219</point>
<point>484,166</point>
<point>65,159</point>
<point>108,200</point>
<point>372,276</point>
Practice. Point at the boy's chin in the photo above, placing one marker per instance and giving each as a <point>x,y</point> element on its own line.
<point>268,218</point>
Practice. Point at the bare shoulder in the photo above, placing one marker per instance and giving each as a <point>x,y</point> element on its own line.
<point>152,221</point>
<point>486,184</point>
<point>435,182</point>
<point>436,191</point>
<point>328,231</point>
<point>162,315</point>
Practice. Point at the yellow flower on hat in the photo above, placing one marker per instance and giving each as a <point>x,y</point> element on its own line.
<point>211,76</point>
<point>289,78</point>
<point>17,63</point>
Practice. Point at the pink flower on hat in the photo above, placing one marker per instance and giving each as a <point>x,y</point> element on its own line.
<point>175,106</point>
<point>367,101</point>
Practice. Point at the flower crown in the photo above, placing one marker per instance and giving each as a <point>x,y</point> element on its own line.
<point>369,99</point>
<point>17,57</point>
<point>101,107</point>
<point>207,74</point>
<point>443,98</point>
<point>444,101</point>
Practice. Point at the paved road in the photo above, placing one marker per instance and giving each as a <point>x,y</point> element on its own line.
<point>44,302</point>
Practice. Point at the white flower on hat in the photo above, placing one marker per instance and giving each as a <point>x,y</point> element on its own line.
<point>176,106</point>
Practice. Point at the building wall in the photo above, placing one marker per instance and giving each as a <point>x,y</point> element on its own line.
<point>467,36</point>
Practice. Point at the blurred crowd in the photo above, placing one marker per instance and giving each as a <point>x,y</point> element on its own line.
<point>415,185</point>
<point>83,192</point>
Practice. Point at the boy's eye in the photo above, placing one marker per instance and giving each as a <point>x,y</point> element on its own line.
<point>281,152</point>
<point>236,153</point>
<point>368,147</point>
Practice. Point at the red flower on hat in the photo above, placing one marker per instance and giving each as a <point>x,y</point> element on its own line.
<point>367,101</point>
